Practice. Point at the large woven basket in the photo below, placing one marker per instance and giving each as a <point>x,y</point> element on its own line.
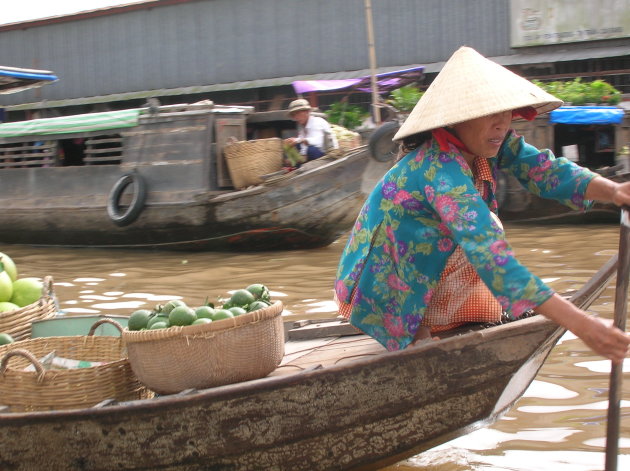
<point>247,161</point>
<point>242,348</point>
<point>67,389</point>
<point>17,323</point>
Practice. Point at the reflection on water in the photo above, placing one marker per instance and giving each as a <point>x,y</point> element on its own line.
<point>559,424</point>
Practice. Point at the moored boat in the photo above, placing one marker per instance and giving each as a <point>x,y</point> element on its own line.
<point>592,136</point>
<point>336,402</point>
<point>157,177</point>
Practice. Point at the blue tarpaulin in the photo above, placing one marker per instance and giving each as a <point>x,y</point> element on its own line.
<point>587,115</point>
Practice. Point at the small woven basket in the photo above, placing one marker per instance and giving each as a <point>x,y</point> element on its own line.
<point>247,161</point>
<point>17,323</point>
<point>242,348</point>
<point>75,388</point>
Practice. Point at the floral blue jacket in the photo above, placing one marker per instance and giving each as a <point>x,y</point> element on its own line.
<point>412,221</point>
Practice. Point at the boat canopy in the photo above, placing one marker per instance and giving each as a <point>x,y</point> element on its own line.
<point>587,115</point>
<point>386,81</point>
<point>15,80</point>
<point>72,124</point>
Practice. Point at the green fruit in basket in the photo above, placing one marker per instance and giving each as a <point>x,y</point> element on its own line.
<point>222,314</point>
<point>155,319</point>
<point>158,325</point>
<point>5,339</point>
<point>6,287</point>
<point>256,305</point>
<point>260,291</point>
<point>139,319</point>
<point>202,320</point>
<point>6,306</point>
<point>181,315</point>
<point>9,266</point>
<point>169,306</point>
<point>241,298</point>
<point>26,291</point>
<point>237,311</point>
<point>204,312</point>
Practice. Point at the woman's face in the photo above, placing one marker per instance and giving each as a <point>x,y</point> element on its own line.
<point>484,136</point>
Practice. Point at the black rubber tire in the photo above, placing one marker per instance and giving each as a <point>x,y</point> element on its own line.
<point>124,218</point>
<point>381,146</point>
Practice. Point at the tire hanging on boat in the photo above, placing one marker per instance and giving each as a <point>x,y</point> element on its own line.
<point>131,213</point>
<point>381,146</point>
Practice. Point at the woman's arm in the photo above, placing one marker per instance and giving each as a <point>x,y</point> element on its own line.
<point>603,189</point>
<point>601,337</point>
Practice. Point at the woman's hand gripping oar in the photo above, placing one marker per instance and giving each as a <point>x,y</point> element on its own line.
<point>616,372</point>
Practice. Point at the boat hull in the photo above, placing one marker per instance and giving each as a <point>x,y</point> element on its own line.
<point>341,417</point>
<point>306,210</point>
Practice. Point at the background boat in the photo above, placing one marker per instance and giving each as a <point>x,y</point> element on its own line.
<point>158,178</point>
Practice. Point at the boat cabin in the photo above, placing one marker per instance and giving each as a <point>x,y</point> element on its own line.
<point>160,138</point>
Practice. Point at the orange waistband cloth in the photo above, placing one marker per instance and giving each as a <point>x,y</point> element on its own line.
<point>460,297</point>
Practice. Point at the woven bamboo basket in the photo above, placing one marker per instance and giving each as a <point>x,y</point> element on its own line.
<point>242,348</point>
<point>17,323</point>
<point>247,161</point>
<point>75,388</point>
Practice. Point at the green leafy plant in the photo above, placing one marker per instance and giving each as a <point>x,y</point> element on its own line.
<point>577,92</point>
<point>404,98</point>
<point>346,115</point>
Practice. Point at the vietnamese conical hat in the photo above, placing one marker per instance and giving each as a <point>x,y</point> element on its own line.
<point>470,86</point>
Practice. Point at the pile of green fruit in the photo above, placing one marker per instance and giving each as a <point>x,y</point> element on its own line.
<point>15,292</point>
<point>177,313</point>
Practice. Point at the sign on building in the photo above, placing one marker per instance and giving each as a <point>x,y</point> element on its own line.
<point>540,22</point>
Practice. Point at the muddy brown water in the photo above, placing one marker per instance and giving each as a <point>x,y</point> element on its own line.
<point>560,422</point>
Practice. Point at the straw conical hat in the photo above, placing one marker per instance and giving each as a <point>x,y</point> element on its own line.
<point>470,86</point>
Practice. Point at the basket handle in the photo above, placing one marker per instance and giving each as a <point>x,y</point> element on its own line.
<point>104,321</point>
<point>19,352</point>
<point>48,286</point>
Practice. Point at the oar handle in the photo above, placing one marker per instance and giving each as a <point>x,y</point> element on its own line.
<point>616,372</point>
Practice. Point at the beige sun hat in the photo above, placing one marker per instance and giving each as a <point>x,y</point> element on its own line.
<point>299,105</point>
<point>470,86</point>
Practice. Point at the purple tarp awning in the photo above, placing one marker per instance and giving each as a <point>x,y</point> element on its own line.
<point>386,81</point>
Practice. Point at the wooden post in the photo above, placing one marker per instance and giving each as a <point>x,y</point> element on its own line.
<point>370,35</point>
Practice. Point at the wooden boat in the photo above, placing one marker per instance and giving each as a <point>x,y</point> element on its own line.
<point>157,177</point>
<point>337,402</point>
<point>595,135</point>
<point>519,205</point>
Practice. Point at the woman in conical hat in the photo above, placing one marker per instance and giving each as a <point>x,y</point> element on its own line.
<point>428,252</point>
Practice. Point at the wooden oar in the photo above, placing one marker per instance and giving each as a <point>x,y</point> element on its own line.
<point>616,372</point>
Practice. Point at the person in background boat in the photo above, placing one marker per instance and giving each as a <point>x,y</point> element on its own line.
<point>314,135</point>
<point>428,252</point>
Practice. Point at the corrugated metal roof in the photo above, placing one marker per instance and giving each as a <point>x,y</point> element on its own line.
<point>543,57</point>
<point>514,59</point>
<point>139,95</point>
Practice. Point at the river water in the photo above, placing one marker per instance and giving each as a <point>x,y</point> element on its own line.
<point>559,424</point>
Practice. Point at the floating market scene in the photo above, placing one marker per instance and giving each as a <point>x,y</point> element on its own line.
<point>314,236</point>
